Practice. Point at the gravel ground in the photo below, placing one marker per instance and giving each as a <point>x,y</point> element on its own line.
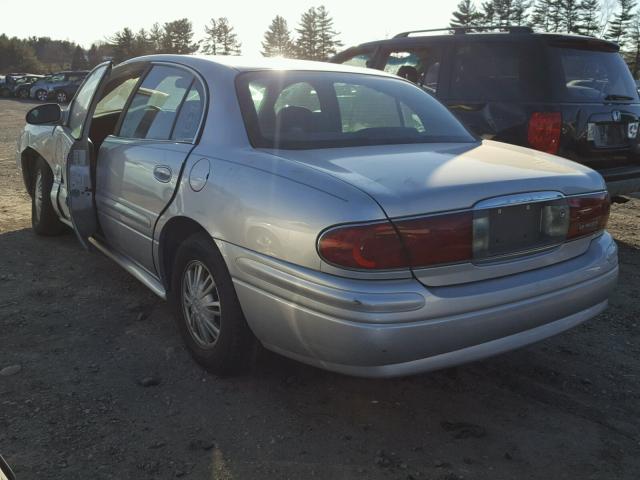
<point>82,338</point>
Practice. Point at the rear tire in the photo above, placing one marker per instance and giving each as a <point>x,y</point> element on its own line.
<point>44,219</point>
<point>42,95</point>
<point>208,312</point>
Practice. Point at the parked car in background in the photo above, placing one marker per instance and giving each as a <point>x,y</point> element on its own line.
<point>8,84</point>
<point>567,95</point>
<point>339,216</point>
<point>23,85</point>
<point>55,83</point>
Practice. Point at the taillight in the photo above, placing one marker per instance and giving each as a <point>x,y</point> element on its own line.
<point>588,214</point>
<point>544,131</point>
<point>365,246</point>
<point>424,241</point>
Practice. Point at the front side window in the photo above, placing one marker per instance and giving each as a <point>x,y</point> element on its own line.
<point>82,101</point>
<point>154,108</point>
<point>361,59</point>
<point>330,109</point>
<point>418,65</point>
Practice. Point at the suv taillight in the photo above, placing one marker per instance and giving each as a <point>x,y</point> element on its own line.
<point>588,214</point>
<point>544,131</point>
<point>416,242</point>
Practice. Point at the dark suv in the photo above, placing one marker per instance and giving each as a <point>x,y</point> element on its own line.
<point>563,94</point>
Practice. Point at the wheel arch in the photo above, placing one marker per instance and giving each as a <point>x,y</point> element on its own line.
<point>28,159</point>
<point>174,232</point>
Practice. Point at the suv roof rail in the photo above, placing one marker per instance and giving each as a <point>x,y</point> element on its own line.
<point>463,30</point>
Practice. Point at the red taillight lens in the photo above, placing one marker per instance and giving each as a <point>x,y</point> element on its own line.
<point>438,239</point>
<point>544,131</point>
<point>368,246</point>
<point>588,214</point>
<point>425,242</point>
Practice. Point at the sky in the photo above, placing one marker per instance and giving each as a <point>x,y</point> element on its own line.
<point>88,21</point>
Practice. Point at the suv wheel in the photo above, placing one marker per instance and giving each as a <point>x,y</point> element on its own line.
<point>207,309</point>
<point>43,217</point>
<point>61,97</point>
<point>42,95</point>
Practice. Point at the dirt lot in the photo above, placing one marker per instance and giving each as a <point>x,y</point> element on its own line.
<point>85,334</point>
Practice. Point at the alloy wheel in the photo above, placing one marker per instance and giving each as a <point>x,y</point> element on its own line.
<point>201,304</point>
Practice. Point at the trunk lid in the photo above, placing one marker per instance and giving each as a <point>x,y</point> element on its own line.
<point>409,180</point>
<point>419,180</point>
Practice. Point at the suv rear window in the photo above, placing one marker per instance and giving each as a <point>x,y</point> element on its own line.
<point>593,76</point>
<point>496,71</point>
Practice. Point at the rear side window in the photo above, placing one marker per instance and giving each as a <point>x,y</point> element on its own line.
<point>507,71</point>
<point>154,108</point>
<point>190,114</point>
<point>593,76</point>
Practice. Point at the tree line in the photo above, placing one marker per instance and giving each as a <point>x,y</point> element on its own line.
<point>314,38</point>
<point>615,20</point>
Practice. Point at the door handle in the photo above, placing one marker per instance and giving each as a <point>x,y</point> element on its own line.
<point>162,173</point>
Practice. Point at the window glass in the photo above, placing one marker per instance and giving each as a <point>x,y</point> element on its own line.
<point>359,60</point>
<point>56,78</point>
<point>419,65</point>
<point>594,75</point>
<point>116,95</point>
<point>190,115</point>
<point>493,71</point>
<point>331,109</point>
<point>154,107</point>
<point>300,94</point>
<point>364,107</point>
<point>82,101</point>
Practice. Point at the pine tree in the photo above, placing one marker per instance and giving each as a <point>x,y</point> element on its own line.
<point>93,58</point>
<point>142,44</point>
<point>546,16</point>
<point>620,26</point>
<point>467,15</point>
<point>520,12</point>
<point>220,38</point>
<point>328,42</point>
<point>634,43</point>
<point>588,18</point>
<point>78,62</point>
<point>123,43</point>
<point>156,38</point>
<point>569,11</point>
<point>277,39</point>
<point>308,35</point>
<point>178,37</point>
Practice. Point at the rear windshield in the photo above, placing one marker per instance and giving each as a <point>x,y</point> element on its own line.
<point>497,71</point>
<point>593,76</point>
<point>332,109</point>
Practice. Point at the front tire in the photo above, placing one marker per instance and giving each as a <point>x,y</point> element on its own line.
<point>207,309</point>
<point>44,219</point>
<point>23,94</point>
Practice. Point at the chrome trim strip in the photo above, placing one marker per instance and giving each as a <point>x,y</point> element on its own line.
<point>139,273</point>
<point>517,199</point>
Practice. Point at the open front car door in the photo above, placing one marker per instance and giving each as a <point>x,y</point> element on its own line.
<point>81,156</point>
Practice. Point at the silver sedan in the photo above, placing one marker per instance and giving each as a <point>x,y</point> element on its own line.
<point>335,215</point>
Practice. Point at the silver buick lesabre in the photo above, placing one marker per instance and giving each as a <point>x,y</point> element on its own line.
<point>338,216</point>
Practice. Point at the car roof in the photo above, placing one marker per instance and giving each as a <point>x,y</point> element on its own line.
<point>249,63</point>
<point>405,38</point>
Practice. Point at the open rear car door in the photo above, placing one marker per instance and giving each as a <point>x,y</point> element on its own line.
<point>79,181</point>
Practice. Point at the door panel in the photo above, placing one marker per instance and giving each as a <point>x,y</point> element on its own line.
<point>130,195</point>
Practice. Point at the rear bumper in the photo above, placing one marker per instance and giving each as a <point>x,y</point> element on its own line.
<point>393,328</point>
<point>622,180</point>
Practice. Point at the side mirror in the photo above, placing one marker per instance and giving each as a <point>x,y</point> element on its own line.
<point>47,114</point>
<point>5,471</point>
